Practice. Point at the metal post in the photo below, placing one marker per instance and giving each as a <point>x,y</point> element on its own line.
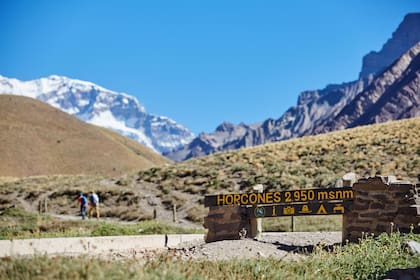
<point>256,224</point>
<point>293,224</point>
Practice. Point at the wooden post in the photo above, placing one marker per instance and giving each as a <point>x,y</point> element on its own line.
<point>43,206</point>
<point>174,213</point>
<point>154,214</point>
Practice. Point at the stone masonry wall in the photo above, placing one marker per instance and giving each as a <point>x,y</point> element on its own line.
<point>382,204</point>
<point>226,223</point>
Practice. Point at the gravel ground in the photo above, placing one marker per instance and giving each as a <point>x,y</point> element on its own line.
<point>285,245</point>
<point>278,245</point>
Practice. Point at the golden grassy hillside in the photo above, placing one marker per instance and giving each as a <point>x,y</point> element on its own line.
<point>317,161</point>
<point>391,148</point>
<point>37,139</point>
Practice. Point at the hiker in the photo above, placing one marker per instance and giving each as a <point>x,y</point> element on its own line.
<point>93,204</point>
<point>83,204</point>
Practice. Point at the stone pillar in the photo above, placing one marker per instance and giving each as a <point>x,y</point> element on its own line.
<point>381,204</point>
<point>226,223</point>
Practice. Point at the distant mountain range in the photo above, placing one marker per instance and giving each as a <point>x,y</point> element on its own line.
<point>388,88</point>
<point>96,105</point>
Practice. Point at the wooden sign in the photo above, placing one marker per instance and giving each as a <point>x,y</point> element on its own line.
<point>303,209</point>
<point>279,197</point>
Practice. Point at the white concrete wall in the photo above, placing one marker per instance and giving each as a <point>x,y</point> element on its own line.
<point>175,239</point>
<point>92,245</point>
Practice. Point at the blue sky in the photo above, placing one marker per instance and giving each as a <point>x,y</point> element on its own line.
<point>198,62</point>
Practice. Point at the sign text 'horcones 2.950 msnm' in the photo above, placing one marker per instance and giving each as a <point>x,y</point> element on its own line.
<point>279,197</point>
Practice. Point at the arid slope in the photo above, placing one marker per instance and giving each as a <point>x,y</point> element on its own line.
<point>37,139</point>
<point>391,148</point>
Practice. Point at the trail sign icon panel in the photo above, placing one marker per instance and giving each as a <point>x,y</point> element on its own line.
<point>320,208</point>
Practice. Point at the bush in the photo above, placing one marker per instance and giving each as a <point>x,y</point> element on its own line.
<point>114,229</point>
<point>370,259</point>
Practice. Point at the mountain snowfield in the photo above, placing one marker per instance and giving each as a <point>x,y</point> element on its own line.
<point>99,106</point>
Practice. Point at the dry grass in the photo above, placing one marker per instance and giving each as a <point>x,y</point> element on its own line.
<point>370,259</point>
<point>17,224</point>
<point>37,139</point>
<point>316,161</point>
<point>197,213</point>
<point>303,224</point>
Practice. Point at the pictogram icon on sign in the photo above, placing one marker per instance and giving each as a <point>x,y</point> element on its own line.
<point>259,212</point>
<point>321,210</point>
<point>289,210</point>
<point>305,209</point>
<point>338,208</point>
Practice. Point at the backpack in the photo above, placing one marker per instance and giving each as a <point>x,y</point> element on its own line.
<point>83,200</point>
<point>95,198</point>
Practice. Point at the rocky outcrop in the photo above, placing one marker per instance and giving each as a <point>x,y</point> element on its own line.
<point>406,35</point>
<point>403,273</point>
<point>224,138</point>
<point>327,104</point>
<point>393,95</point>
<point>313,107</point>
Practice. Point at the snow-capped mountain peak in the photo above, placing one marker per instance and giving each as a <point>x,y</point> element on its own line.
<point>103,107</point>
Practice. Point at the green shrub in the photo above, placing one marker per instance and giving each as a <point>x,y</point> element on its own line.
<point>16,223</point>
<point>155,227</point>
<point>370,259</point>
<point>114,229</point>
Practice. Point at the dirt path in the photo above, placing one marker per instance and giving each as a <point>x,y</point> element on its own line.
<point>78,217</point>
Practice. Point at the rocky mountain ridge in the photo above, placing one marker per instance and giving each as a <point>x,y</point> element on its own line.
<point>405,36</point>
<point>388,89</point>
<point>99,106</point>
<point>393,95</point>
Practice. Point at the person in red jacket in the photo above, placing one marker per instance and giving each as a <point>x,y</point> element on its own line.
<point>83,205</point>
